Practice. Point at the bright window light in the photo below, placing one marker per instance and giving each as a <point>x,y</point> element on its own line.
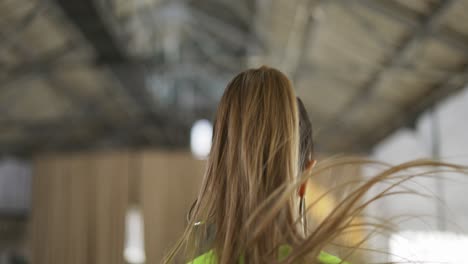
<point>428,247</point>
<point>134,245</point>
<point>200,138</point>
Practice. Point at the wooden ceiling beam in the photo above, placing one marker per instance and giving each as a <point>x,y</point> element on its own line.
<point>413,20</point>
<point>411,113</point>
<point>129,73</point>
<point>62,135</point>
<point>87,18</point>
<point>45,63</point>
<point>393,10</point>
<point>426,27</point>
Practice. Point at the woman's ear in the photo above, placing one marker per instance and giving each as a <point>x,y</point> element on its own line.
<point>310,164</point>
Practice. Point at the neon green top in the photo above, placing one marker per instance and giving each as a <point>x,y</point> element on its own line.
<point>323,258</point>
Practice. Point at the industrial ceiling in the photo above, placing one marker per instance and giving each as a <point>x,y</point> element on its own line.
<point>117,73</point>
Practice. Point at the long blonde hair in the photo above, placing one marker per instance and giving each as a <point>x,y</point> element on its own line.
<point>254,152</point>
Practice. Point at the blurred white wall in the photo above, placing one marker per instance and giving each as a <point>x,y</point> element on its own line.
<point>15,186</point>
<point>407,144</point>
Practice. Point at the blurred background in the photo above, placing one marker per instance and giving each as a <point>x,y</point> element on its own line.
<point>106,109</point>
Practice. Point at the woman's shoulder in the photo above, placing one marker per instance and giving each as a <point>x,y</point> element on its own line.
<point>323,258</point>
<point>326,258</point>
<point>207,258</point>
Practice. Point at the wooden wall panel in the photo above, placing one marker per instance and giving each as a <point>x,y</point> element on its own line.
<point>57,205</point>
<point>169,184</point>
<point>80,202</point>
<point>39,212</point>
<point>112,191</point>
<point>78,174</point>
<point>79,208</point>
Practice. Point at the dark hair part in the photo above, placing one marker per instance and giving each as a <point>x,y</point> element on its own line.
<point>306,143</point>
